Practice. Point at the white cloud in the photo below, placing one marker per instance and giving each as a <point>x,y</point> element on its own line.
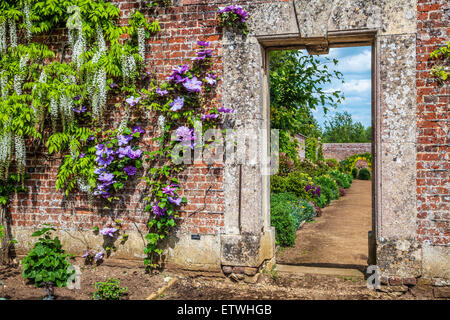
<point>357,86</point>
<point>359,63</point>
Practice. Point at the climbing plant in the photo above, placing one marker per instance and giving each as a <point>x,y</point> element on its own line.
<point>440,71</point>
<point>59,98</point>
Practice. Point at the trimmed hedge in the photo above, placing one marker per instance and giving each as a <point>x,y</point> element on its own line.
<point>364,174</point>
<point>341,179</point>
<point>355,173</point>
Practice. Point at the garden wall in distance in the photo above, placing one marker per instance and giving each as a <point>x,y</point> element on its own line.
<point>341,151</point>
<point>411,158</point>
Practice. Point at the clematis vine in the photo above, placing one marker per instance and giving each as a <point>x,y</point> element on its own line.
<point>108,232</point>
<point>193,85</point>
<point>177,104</point>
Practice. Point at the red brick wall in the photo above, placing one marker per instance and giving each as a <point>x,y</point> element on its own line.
<point>433,152</point>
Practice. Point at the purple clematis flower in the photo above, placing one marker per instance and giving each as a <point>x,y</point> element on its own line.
<point>158,211</point>
<point>211,79</point>
<point>169,190</point>
<point>177,104</point>
<point>106,178</point>
<point>99,256</point>
<point>138,129</point>
<point>86,254</point>
<point>113,85</point>
<point>175,201</point>
<point>124,140</point>
<point>130,170</point>
<point>77,97</point>
<point>135,154</point>
<point>91,138</point>
<point>108,232</point>
<point>225,110</point>
<point>209,116</point>
<point>99,170</point>
<point>162,93</point>
<point>193,85</point>
<point>124,151</point>
<point>82,155</point>
<point>178,73</point>
<point>81,109</point>
<point>203,43</point>
<point>132,101</point>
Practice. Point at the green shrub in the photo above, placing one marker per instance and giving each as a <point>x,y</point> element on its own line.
<point>290,199</point>
<point>282,219</point>
<point>286,165</point>
<point>349,178</point>
<point>308,212</point>
<point>332,163</point>
<point>109,290</point>
<point>341,179</point>
<point>278,184</point>
<point>329,187</point>
<point>355,173</point>
<point>364,174</point>
<point>46,264</point>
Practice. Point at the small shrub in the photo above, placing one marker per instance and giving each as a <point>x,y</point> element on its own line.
<point>341,179</point>
<point>278,184</point>
<point>109,290</point>
<point>46,264</point>
<point>284,223</point>
<point>364,174</point>
<point>332,163</point>
<point>286,165</point>
<point>329,187</point>
<point>355,173</point>
<point>349,178</point>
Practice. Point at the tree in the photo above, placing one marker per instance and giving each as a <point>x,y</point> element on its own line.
<point>342,129</point>
<point>296,81</point>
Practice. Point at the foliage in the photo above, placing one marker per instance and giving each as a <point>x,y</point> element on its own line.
<point>9,187</point>
<point>364,174</point>
<point>47,261</point>
<point>329,187</point>
<point>313,169</point>
<point>286,165</point>
<point>109,290</point>
<point>296,81</point>
<point>341,179</point>
<point>311,149</point>
<point>233,15</point>
<point>282,219</point>
<point>355,173</point>
<point>342,129</point>
<point>440,71</point>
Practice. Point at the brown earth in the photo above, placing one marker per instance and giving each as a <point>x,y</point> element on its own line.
<point>139,283</point>
<point>339,237</point>
<point>286,286</point>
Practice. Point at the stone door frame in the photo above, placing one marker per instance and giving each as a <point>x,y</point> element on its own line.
<point>341,39</point>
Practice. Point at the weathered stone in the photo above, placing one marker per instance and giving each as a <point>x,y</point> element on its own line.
<point>250,271</point>
<point>441,292</point>
<point>227,269</point>
<point>238,270</point>
<point>399,258</point>
<point>410,281</point>
<point>395,282</point>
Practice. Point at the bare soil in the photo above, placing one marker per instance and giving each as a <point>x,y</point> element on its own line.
<point>285,286</point>
<point>340,236</point>
<point>139,283</point>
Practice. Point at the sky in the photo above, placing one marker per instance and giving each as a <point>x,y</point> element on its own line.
<point>355,65</point>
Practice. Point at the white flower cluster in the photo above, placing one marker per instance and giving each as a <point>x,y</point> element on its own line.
<point>12,33</point>
<point>20,154</point>
<point>97,85</point>
<point>54,111</point>
<point>161,123</point>
<point>123,123</point>
<point>66,109</point>
<point>100,40</point>
<point>128,66</point>
<point>42,79</point>
<point>83,185</point>
<point>3,44</point>
<point>19,77</point>
<point>78,48</point>
<point>26,13</point>
<point>141,42</point>
<point>6,145</point>
<point>4,85</point>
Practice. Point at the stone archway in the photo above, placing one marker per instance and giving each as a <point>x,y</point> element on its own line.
<point>390,27</point>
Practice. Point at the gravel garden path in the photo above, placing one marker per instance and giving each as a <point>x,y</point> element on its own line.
<point>339,237</point>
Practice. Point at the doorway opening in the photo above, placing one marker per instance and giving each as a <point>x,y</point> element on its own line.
<point>322,198</point>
